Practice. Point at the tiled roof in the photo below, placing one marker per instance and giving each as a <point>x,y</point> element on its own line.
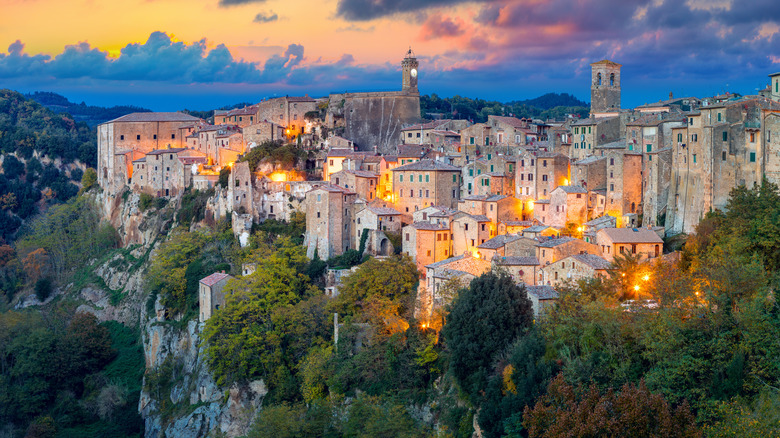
<point>427,226</point>
<point>429,125</point>
<point>572,189</point>
<point>412,151</point>
<point>607,62</point>
<point>588,160</point>
<point>601,220</point>
<point>214,278</point>
<point>360,173</point>
<point>542,292</point>
<point>431,165</point>
<point>536,229</point>
<point>516,261</point>
<point>594,261</point>
<point>620,144</point>
<point>166,151</point>
<point>518,223</point>
<point>495,198</point>
<point>384,211</point>
<point>499,241</point>
<point>631,235</point>
<point>140,160</point>
<point>552,243</point>
<point>155,117</point>
<point>340,152</point>
<point>445,261</point>
<point>331,188</point>
<point>511,121</point>
<point>479,217</point>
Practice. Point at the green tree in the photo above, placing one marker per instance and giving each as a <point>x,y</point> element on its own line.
<point>483,321</point>
<point>88,179</point>
<point>168,272</point>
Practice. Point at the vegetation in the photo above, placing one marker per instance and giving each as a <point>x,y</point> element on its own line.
<point>550,105</point>
<point>286,155</point>
<point>76,378</point>
<point>91,115</point>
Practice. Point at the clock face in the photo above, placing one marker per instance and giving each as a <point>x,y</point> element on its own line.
<point>413,72</point>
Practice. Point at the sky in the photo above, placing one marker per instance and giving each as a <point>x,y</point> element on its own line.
<point>202,54</point>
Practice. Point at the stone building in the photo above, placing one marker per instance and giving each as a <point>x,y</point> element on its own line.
<point>328,221</point>
<point>423,133</point>
<point>425,183</point>
<point>553,249</point>
<point>374,120</point>
<point>523,270</point>
<point>470,231</point>
<point>539,173</point>
<point>363,183</point>
<point>605,87</point>
<point>542,298</point>
<point>463,268</point>
<point>426,243</point>
<point>163,172</point>
<point>568,204</point>
<point>211,295</point>
<point>260,132</point>
<point>592,132</point>
<point>589,172</point>
<point>497,208</point>
<point>510,131</point>
<point>724,145</point>
<point>287,111</point>
<point>636,241</point>
<point>377,218</point>
<point>127,138</point>
<point>496,247</point>
<point>241,117</point>
<point>573,268</point>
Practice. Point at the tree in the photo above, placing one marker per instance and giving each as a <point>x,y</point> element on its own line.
<point>566,411</point>
<point>88,179</point>
<point>482,321</point>
<point>379,291</point>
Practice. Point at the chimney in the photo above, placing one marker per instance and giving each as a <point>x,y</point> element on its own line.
<point>671,96</point>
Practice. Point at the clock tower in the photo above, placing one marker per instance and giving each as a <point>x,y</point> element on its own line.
<point>409,71</point>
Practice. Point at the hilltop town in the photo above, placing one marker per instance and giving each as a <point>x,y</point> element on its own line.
<point>545,200</point>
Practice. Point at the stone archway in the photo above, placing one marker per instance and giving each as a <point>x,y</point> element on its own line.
<point>385,248</point>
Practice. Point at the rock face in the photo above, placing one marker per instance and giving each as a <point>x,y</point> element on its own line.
<point>214,409</point>
<point>190,403</point>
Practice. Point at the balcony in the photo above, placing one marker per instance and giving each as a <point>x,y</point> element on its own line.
<point>752,125</point>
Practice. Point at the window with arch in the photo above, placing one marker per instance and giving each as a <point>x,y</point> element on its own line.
<point>599,78</point>
<point>612,80</point>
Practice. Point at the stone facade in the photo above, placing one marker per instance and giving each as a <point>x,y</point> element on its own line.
<point>538,174</point>
<point>573,268</point>
<point>363,183</point>
<point>426,243</point>
<point>636,241</point>
<point>328,221</point>
<point>568,204</point>
<point>211,295</point>
<point>425,183</point>
<point>605,86</point>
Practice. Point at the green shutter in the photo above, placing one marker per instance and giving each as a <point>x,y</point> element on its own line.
<point>649,148</point>
<point>752,157</point>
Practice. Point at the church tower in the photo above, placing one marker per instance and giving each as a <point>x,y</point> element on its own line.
<point>605,86</point>
<point>409,73</point>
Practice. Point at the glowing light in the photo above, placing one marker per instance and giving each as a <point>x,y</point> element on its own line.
<point>278,176</point>
<point>646,278</point>
<point>423,326</point>
<point>530,204</point>
<point>580,229</point>
<point>565,182</point>
<point>636,288</point>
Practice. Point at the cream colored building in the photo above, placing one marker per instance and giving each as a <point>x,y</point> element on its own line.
<point>425,183</point>
<point>573,268</point>
<point>641,242</point>
<point>211,295</point>
<point>328,221</point>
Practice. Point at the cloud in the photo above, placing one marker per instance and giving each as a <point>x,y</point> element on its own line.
<point>363,10</point>
<point>353,28</point>
<point>437,26</point>
<point>229,3</point>
<point>265,17</point>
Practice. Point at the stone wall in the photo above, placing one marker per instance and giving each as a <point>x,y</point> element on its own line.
<point>375,119</point>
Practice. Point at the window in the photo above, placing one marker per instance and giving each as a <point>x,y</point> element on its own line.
<point>649,148</point>
<point>121,137</point>
<point>694,158</point>
<point>411,177</point>
<point>725,136</point>
<point>154,137</point>
<point>471,172</point>
<point>690,121</point>
<point>466,227</point>
<point>719,117</point>
<point>318,214</point>
<point>752,137</point>
<point>407,237</point>
<point>612,80</point>
<point>429,253</point>
<point>138,137</point>
<point>589,129</point>
<point>532,161</point>
<point>426,178</point>
<point>598,79</point>
<point>173,136</point>
<point>471,140</point>
<point>724,156</point>
<point>611,161</point>
<point>401,178</point>
<point>752,157</point>
<point>544,163</point>
<point>483,227</point>
<point>544,177</point>
<point>611,187</point>
<point>454,178</point>
<point>418,136</point>
<point>679,138</point>
<point>695,137</point>
<point>427,194</point>
<point>319,198</point>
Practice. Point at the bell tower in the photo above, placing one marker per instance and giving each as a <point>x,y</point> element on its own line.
<point>605,86</point>
<point>409,73</point>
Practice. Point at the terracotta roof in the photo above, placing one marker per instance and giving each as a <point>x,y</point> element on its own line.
<point>542,292</point>
<point>331,188</point>
<point>631,235</point>
<point>214,278</point>
<point>572,189</point>
<point>431,165</point>
<point>155,117</point>
<point>511,121</point>
<point>516,261</point>
<point>557,241</point>
<point>427,226</point>
<point>166,151</point>
<point>384,211</point>
<point>499,241</point>
<point>340,152</point>
<point>607,62</point>
<point>594,261</point>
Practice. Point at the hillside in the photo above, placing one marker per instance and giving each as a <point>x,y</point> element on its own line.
<point>81,112</point>
<point>43,156</point>
<point>548,106</point>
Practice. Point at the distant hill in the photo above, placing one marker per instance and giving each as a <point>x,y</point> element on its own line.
<point>548,106</point>
<point>551,100</point>
<point>81,112</point>
<point>39,150</point>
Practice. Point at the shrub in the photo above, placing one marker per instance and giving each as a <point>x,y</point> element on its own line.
<point>146,201</point>
<point>43,288</point>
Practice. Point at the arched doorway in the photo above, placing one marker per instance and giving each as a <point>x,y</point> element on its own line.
<point>385,248</point>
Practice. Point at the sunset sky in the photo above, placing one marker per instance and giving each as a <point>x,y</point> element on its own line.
<point>201,54</point>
